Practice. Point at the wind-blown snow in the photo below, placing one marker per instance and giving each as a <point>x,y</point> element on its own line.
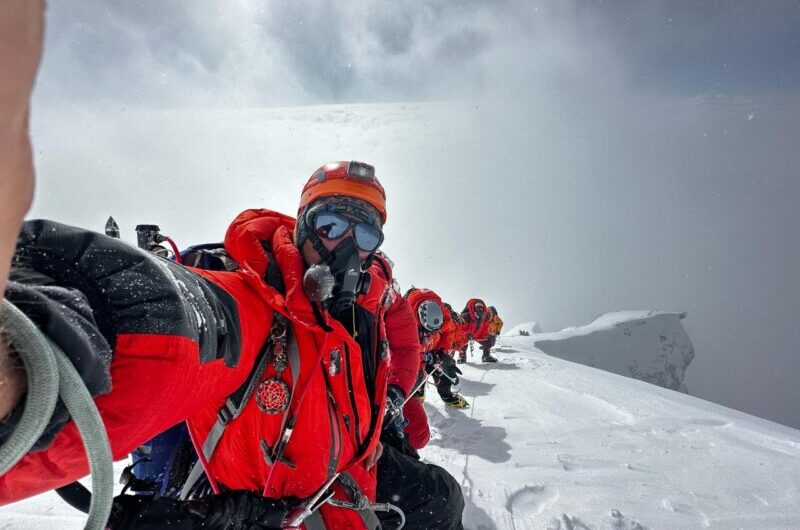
<point>553,444</point>
<point>649,345</point>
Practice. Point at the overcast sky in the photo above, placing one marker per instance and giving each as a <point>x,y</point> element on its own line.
<point>599,156</point>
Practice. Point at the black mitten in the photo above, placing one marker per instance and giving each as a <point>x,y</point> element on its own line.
<point>233,510</point>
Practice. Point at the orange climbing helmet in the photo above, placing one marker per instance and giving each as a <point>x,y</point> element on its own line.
<point>352,179</point>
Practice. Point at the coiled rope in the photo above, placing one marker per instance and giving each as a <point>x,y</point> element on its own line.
<point>50,374</point>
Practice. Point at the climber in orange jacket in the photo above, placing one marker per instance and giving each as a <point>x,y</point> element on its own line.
<point>476,326</point>
<point>432,317</point>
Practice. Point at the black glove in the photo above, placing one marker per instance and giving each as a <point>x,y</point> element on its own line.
<point>449,367</point>
<point>82,289</point>
<point>392,433</point>
<point>129,290</point>
<point>65,316</point>
<point>233,510</point>
<point>239,510</point>
<point>394,419</point>
<point>427,358</point>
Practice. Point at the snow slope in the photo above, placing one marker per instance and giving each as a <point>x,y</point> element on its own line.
<point>551,444</point>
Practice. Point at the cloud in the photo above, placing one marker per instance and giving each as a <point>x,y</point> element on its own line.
<point>247,53</point>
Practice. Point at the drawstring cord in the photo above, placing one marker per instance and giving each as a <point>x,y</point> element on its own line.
<point>355,333</point>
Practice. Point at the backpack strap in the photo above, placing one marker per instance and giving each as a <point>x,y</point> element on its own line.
<point>209,256</point>
<point>315,522</point>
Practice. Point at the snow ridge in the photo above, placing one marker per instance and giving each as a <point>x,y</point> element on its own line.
<point>650,346</point>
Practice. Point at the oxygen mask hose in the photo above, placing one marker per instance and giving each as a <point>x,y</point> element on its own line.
<point>50,374</point>
<point>42,394</point>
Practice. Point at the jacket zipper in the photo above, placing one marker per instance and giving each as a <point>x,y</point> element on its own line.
<point>348,379</point>
<point>336,432</point>
<point>375,407</point>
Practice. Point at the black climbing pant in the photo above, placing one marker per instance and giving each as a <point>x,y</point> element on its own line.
<point>428,495</point>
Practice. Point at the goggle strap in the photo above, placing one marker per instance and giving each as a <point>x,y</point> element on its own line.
<point>323,252</point>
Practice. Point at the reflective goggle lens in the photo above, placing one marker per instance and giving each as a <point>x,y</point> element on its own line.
<point>330,225</point>
<point>367,237</point>
<point>333,226</point>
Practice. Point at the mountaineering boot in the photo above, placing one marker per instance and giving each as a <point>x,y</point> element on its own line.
<point>455,401</point>
<point>487,358</point>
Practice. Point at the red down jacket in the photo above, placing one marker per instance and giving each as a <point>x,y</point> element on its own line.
<point>161,377</point>
<point>452,336</point>
<point>476,323</point>
<point>401,328</point>
<point>417,429</point>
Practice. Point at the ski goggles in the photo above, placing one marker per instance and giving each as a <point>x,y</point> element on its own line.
<point>332,225</point>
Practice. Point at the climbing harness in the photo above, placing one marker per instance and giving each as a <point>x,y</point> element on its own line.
<point>308,512</point>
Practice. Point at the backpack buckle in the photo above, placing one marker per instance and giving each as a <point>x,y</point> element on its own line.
<point>227,412</point>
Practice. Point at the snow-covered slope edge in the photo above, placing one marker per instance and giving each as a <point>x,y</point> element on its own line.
<point>648,345</point>
<point>552,444</point>
<point>525,329</point>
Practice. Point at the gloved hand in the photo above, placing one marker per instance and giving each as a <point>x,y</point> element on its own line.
<point>239,510</point>
<point>233,510</point>
<point>129,291</point>
<point>84,290</point>
<point>427,358</point>
<point>449,367</point>
<point>394,420</point>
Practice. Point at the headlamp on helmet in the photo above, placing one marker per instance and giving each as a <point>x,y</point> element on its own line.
<point>360,170</point>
